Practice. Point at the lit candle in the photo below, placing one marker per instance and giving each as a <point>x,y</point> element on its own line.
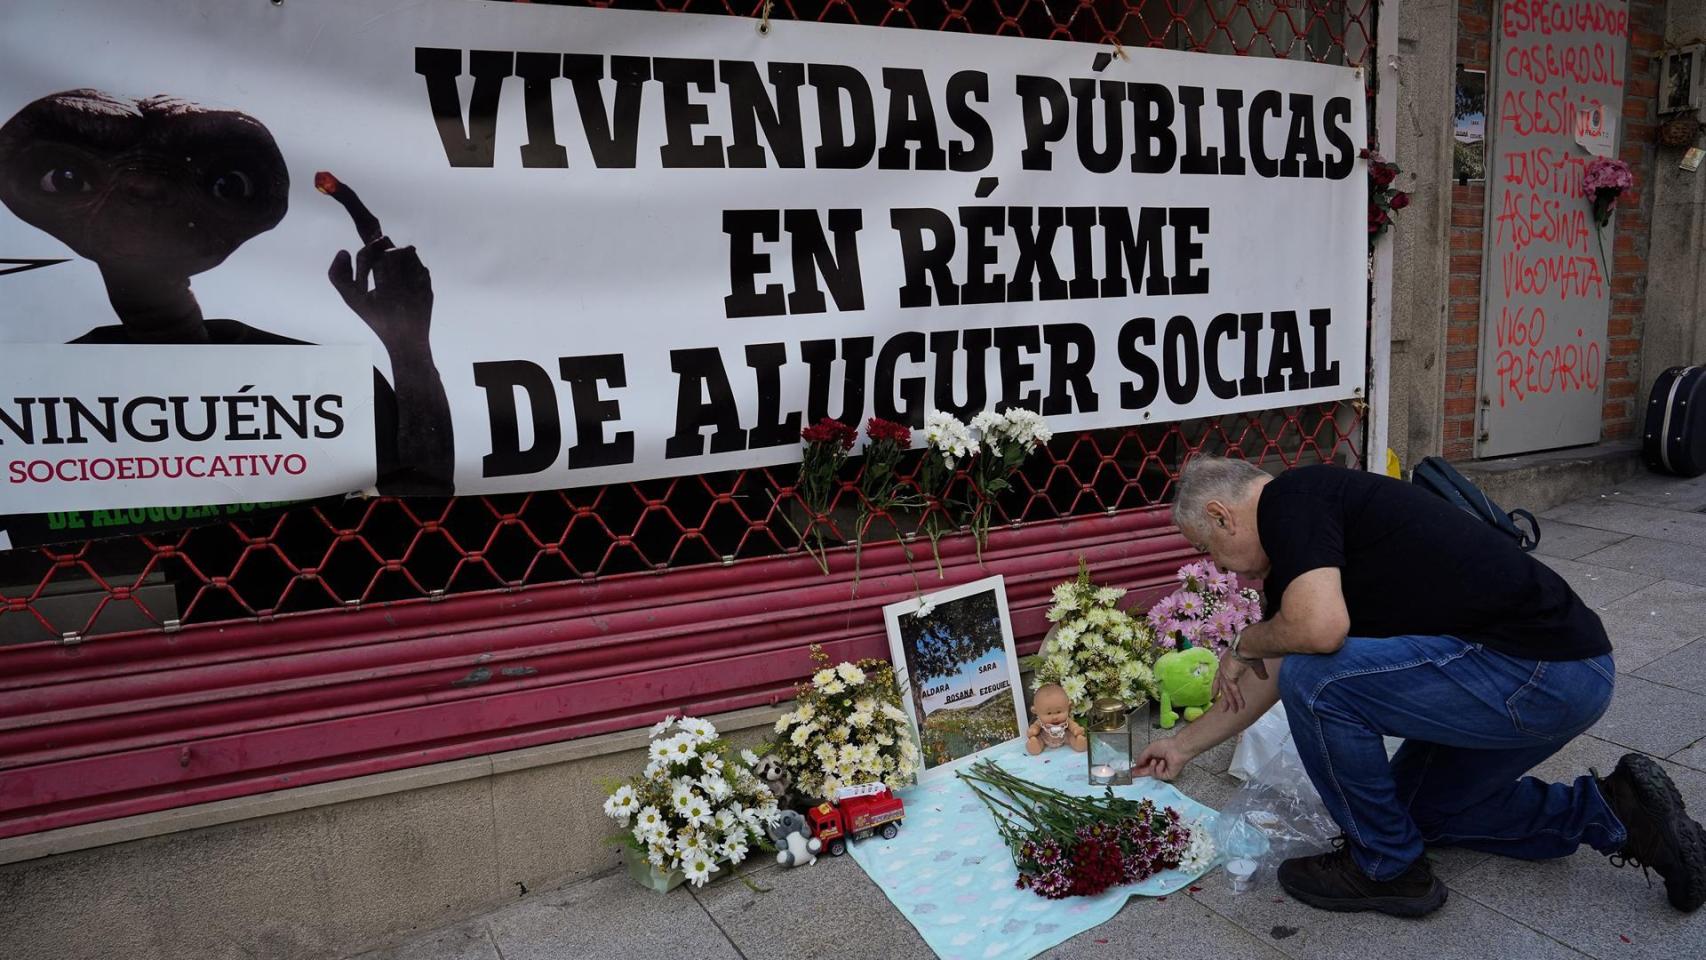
<point>1102,772</point>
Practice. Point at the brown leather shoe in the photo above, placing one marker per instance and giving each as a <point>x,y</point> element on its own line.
<point>1333,881</point>
<point>1661,835</point>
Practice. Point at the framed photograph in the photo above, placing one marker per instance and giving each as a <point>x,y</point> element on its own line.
<point>958,672</point>
<point>1680,78</point>
<point>1469,127</point>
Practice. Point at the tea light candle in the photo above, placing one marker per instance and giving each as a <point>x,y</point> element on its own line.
<point>1102,772</point>
<point>1240,871</point>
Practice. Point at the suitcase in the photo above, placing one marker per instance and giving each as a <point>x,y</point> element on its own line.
<point>1673,439</point>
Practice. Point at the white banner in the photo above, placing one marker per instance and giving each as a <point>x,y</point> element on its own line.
<point>255,423</point>
<point>607,245</point>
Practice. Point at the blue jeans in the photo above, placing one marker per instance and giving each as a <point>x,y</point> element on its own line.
<point>1473,721</point>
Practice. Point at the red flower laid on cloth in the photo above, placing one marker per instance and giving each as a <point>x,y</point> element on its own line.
<point>1383,197</point>
<point>1071,846</point>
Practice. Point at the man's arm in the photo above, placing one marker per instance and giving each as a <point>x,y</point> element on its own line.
<point>1312,618</point>
<point>1164,758</point>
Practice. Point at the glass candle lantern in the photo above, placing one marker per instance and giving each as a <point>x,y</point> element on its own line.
<point>1110,744</point>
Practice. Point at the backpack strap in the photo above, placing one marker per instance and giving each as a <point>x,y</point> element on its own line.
<point>1444,480</point>
<point>1531,539</point>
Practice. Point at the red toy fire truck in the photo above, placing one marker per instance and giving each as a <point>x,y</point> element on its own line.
<point>856,813</point>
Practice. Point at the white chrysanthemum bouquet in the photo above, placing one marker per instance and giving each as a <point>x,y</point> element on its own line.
<point>1096,651</point>
<point>847,728</point>
<point>990,451</point>
<point>693,808</point>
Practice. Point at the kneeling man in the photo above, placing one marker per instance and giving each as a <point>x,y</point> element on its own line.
<point>1391,612</point>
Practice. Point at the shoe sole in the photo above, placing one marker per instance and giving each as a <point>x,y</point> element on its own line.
<point>1408,907</point>
<point>1656,792</point>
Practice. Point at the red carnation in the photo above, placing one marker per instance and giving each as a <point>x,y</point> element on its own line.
<point>1399,200</point>
<point>1382,173</point>
<point>830,431</point>
<point>880,429</point>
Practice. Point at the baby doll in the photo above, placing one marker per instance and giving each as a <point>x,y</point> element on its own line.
<point>1054,726</point>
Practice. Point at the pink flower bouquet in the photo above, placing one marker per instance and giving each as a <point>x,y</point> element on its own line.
<point>1207,610</point>
<point>1604,183</point>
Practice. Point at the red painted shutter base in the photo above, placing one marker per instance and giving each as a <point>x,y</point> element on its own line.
<point>132,724</point>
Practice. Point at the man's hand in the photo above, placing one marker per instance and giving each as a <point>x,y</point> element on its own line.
<point>1162,759</point>
<point>1226,677</point>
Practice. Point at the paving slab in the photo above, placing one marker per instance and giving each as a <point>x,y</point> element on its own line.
<point>468,941</point>
<point>1585,752</point>
<point>1176,928</point>
<point>608,918</point>
<point>1694,757</point>
<point>1657,490</point>
<point>1461,928</point>
<point>1653,622</point>
<point>1621,516</point>
<point>1587,903</point>
<point>829,909</point>
<point>1449,862</point>
<point>1651,717</point>
<point>1599,586</point>
<point>1685,668</point>
<point>1639,557</point>
<point>1569,541</point>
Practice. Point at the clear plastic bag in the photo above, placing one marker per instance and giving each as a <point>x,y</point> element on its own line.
<point>1279,803</point>
<point>1260,741</point>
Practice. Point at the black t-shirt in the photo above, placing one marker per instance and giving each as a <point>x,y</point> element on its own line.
<point>1413,564</point>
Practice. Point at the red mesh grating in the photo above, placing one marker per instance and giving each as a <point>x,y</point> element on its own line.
<point>317,558</point>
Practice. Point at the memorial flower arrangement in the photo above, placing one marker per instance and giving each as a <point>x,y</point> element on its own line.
<point>880,487</point>
<point>828,442</point>
<point>1384,198</point>
<point>846,728</point>
<point>694,807</point>
<point>1207,610</point>
<point>1072,846</point>
<point>881,490</point>
<point>1006,439</point>
<point>990,450</point>
<point>1096,651</point>
<point>948,443</point>
<point>1604,182</point>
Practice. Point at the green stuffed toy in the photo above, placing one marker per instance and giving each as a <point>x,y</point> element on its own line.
<point>1186,678</point>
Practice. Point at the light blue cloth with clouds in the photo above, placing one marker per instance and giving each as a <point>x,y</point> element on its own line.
<point>951,875</point>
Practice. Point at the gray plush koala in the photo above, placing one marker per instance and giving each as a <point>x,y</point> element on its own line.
<point>795,845</point>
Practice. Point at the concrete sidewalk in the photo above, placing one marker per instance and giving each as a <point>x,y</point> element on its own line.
<point>1637,555</point>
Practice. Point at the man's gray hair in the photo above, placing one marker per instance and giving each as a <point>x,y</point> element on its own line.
<point>1206,479</point>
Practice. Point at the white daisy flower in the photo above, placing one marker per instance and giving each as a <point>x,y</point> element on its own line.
<point>850,673</point>
<point>650,820</point>
<point>716,788</point>
<point>749,758</point>
<point>682,796</point>
<point>734,851</point>
<point>697,869</point>
<point>663,725</point>
<point>700,731</point>
<point>823,677</point>
<point>621,804</point>
<point>697,811</point>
